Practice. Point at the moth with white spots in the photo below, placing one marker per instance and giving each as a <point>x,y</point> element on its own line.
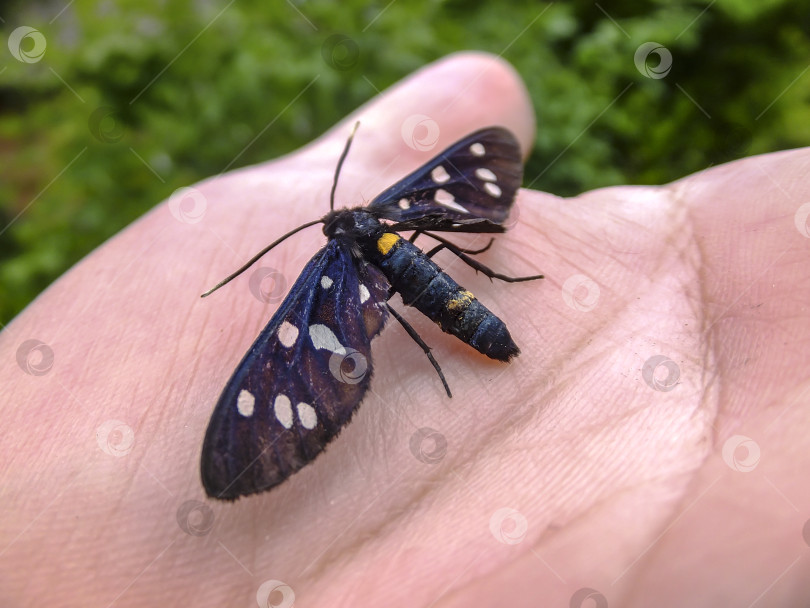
<point>311,366</point>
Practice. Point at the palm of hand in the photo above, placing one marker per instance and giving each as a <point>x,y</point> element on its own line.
<point>585,463</point>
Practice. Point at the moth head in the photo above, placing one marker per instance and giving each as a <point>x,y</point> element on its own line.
<point>352,223</point>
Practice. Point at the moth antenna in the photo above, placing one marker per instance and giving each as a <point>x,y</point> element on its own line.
<point>253,260</point>
<point>340,164</point>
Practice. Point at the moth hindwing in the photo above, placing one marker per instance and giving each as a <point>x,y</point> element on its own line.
<point>311,366</point>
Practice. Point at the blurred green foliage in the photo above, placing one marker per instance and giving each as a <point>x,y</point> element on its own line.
<point>133,99</point>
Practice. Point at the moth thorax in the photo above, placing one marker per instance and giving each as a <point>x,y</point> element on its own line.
<point>353,223</point>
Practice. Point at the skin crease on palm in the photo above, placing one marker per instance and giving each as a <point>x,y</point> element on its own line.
<point>618,487</point>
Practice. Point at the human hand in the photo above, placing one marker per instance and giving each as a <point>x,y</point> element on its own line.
<point>581,464</point>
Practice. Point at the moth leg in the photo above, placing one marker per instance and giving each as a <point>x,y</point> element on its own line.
<point>416,338</point>
<point>436,250</point>
<point>445,244</point>
<point>441,246</point>
<point>482,250</point>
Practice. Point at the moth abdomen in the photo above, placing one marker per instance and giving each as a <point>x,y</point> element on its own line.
<point>493,339</point>
<point>463,315</point>
<point>426,287</point>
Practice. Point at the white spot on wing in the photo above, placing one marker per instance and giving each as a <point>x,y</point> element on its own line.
<point>443,197</point>
<point>245,402</point>
<point>364,293</point>
<point>307,415</point>
<point>326,282</point>
<point>323,337</point>
<point>439,175</point>
<point>283,410</point>
<point>404,204</point>
<point>485,174</point>
<point>478,149</point>
<point>287,334</point>
<point>492,189</point>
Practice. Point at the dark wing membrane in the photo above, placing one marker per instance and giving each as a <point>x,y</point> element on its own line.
<point>302,379</point>
<point>467,188</point>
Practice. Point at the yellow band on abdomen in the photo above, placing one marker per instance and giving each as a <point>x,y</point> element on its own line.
<point>386,241</point>
<point>461,302</point>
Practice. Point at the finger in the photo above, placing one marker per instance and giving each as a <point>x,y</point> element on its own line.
<point>416,118</point>
<point>441,103</point>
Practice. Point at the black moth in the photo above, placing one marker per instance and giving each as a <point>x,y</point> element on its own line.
<point>308,370</point>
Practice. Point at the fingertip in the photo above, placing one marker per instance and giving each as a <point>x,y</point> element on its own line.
<point>438,104</point>
<point>479,90</point>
